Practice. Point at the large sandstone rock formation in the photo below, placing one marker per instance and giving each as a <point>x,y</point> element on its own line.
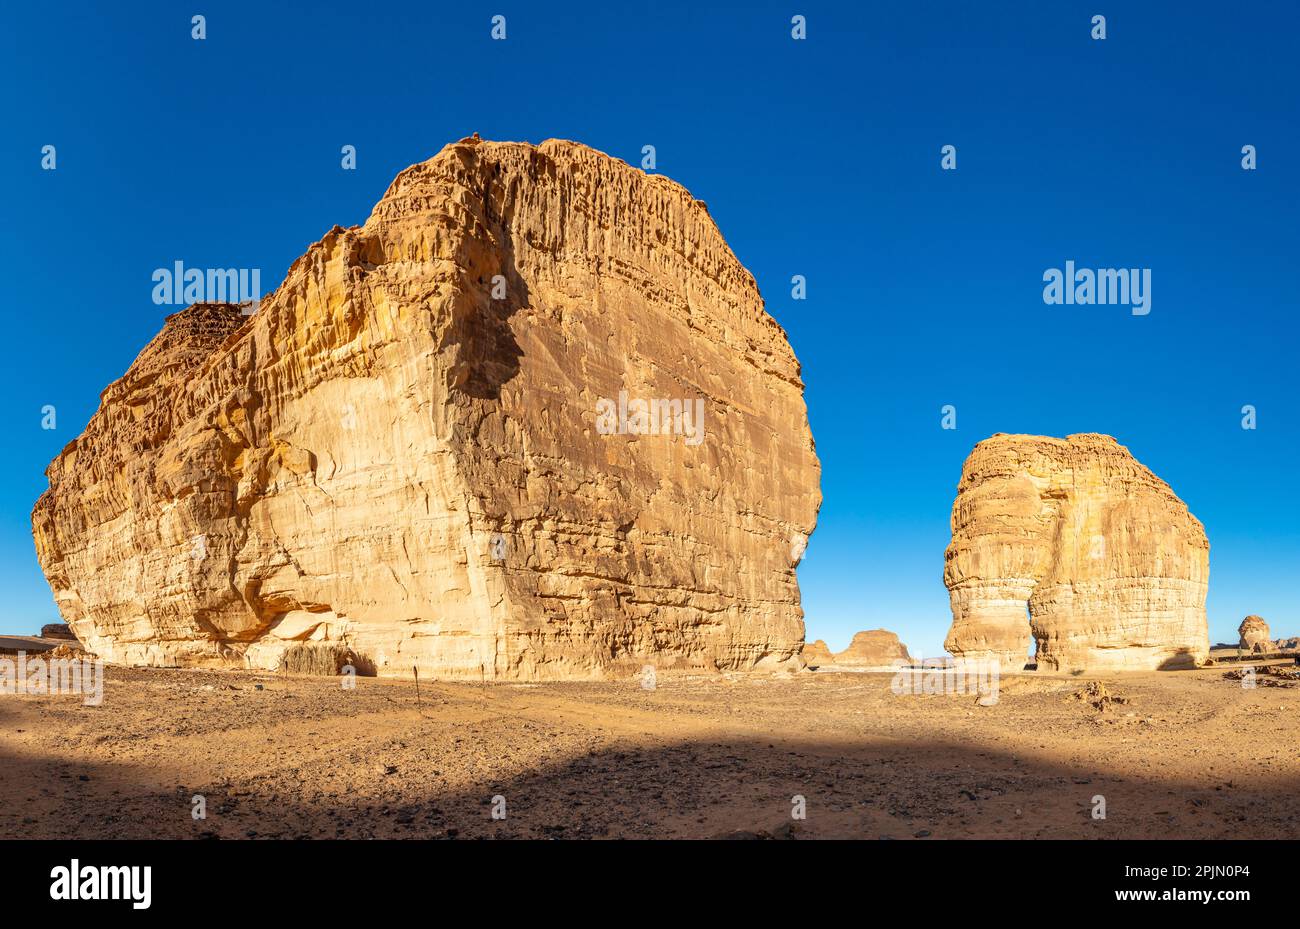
<point>400,453</point>
<point>1108,562</point>
<point>1254,634</point>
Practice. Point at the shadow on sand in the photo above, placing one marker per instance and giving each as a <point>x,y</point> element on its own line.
<point>742,787</point>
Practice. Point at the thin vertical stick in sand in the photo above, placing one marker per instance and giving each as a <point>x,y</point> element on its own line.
<point>419,705</point>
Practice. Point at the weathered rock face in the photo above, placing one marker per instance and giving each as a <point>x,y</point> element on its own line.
<point>873,648</point>
<point>407,451</point>
<point>57,631</point>
<point>1254,634</point>
<point>1109,563</point>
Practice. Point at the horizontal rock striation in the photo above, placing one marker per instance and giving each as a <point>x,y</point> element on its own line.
<point>1075,542</point>
<point>399,456</point>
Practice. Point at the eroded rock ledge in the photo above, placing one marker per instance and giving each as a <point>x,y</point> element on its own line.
<point>1108,562</point>
<point>388,458</point>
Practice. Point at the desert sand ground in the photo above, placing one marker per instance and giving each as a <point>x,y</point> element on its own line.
<point>1190,755</point>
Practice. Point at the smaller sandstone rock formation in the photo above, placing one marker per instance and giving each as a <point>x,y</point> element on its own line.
<point>872,648</point>
<point>69,650</point>
<point>817,653</point>
<point>1074,542</point>
<point>1254,634</point>
<point>57,631</point>
<point>1099,696</point>
<point>1265,675</point>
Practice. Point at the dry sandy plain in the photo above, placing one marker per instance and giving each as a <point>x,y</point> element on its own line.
<point>1190,754</point>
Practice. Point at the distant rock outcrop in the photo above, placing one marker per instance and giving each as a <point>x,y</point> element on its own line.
<point>874,648</point>
<point>1075,542</point>
<point>57,631</point>
<point>1254,635</point>
<point>816,653</point>
<point>530,421</point>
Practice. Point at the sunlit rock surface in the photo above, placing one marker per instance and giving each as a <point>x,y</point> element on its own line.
<point>1254,634</point>
<point>1106,559</point>
<point>399,454</point>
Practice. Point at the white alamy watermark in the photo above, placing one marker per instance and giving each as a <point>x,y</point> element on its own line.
<point>88,882</point>
<point>948,677</point>
<point>651,417</point>
<point>52,677</point>
<point>1104,287</point>
<point>183,286</point>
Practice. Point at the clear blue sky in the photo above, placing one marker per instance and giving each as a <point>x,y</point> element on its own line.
<point>818,158</point>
